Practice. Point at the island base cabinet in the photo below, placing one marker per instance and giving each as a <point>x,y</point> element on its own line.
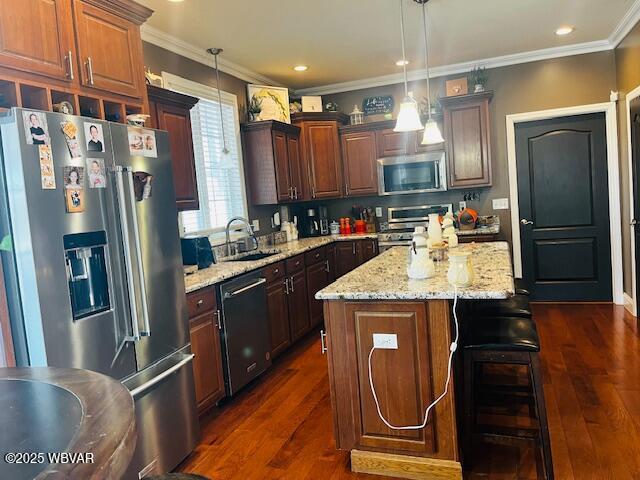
<point>407,379</point>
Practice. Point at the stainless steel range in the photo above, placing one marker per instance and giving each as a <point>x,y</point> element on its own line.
<point>401,221</point>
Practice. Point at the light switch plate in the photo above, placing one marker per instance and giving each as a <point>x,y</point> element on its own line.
<point>501,204</point>
<point>387,341</point>
<point>462,205</point>
<point>379,212</point>
<point>255,225</point>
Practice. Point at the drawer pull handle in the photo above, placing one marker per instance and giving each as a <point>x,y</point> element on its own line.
<point>276,270</point>
<point>200,302</point>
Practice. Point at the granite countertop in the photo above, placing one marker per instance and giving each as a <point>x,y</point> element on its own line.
<point>385,278</point>
<point>480,230</point>
<point>229,269</point>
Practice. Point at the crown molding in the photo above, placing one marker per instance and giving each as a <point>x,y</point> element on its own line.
<point>173,44</point>
<point>630,19</point>
<point>464,67</point>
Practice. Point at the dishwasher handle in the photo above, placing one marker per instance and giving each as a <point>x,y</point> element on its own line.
<point>260,281</point>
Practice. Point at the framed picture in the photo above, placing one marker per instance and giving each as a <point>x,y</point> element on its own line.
<point>273,100</point>
<point>312,104</point>
<point>457,86</point>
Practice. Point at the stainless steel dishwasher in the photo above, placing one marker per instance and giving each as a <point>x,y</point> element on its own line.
<point>246,343</point>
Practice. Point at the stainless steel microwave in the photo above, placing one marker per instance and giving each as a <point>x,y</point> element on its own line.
<point>412,174</point>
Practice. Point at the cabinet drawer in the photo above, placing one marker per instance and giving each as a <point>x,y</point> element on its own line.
<point>273,271</point>
<point>201,301</point>
<point>295,263</point>
<point>315,256</point>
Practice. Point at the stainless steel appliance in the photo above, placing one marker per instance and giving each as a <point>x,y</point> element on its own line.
<point>421,173</point>
<point>245,330</point>
<point>401,221</point>
<point>103,288</point>
<point>323,221</point>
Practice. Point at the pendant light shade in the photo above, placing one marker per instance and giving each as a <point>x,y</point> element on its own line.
<point>408,117</point>
<point>432,135</point>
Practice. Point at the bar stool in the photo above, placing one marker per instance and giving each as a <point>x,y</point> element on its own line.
<point>505,341</point>
<point>515,306</point>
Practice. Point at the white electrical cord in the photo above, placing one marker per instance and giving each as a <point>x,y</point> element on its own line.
<point>452,348</point>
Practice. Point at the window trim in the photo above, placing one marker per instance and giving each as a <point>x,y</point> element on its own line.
<point>199,90</point>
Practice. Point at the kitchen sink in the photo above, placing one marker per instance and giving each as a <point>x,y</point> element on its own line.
<point>253,256</point>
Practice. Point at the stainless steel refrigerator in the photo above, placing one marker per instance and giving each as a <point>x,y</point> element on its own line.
<point>94,277</point>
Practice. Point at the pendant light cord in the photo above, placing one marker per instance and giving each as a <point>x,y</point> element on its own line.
<point>426,57</point>
<point>215,52</point>
<point>404,56</point>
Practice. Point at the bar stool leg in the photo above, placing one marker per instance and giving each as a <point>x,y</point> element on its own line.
<point>469,413</point>
<point>541,413</point>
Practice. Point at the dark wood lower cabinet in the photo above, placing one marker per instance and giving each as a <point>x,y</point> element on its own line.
<point>317,279</point>
<point>346,258</point>
<point>366,250</point>
<point>207,363</point>
<point>298,305</point>
<point>278,310</point>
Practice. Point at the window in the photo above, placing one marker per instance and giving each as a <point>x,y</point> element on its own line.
<point>221,188</point>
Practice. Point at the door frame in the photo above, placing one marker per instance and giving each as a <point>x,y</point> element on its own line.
<point>630,303</point>
<point>615,225</point>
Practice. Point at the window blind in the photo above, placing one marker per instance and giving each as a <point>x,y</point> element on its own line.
<point>220,176</point>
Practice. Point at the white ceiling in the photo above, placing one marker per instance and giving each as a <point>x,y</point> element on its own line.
<point>349,40</point>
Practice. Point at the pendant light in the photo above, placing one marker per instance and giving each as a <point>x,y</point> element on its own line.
<point>408,117</point>
<point>432,135</point>
<point>215,52</point>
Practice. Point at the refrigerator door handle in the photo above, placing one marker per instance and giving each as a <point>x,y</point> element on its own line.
<point>124,225</point>
<point>136,239</point>
<point>158,378</point>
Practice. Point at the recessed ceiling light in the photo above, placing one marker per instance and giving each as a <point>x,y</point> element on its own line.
<point>565,30</point>
<point>401,63</point>
<point>300,68</point>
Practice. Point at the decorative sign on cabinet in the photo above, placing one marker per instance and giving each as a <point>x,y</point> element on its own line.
<point>379,105</point>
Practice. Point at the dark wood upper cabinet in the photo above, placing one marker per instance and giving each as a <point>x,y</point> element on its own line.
<point>36,36</point>
<point>468,140</point>
<point>392,144</point>
<point>272,156</point>
<point>109,51</point>
<point>320,146</point>
<point>359,155</point>
<point>170,111</point>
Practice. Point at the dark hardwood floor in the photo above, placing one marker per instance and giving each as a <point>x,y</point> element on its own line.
<point>281,428</point>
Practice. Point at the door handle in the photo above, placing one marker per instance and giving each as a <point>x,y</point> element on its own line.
<point>138,248</point>
<point>128,263</point>
<point>90,70</point>
<point>70,65</point>
<point>524,221</point>
<point>633,222</point>
<point>323,344</point>
<point>244,289</point>
<point>147,385</point>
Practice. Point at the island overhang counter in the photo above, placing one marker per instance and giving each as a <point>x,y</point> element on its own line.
<point>379,298</point>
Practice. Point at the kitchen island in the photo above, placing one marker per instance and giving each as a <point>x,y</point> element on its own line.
<point>378,297</point>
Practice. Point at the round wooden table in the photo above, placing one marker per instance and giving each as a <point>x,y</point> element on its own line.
<point>57,411</point>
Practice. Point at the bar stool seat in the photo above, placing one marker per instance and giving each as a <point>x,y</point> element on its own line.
<point>503,333</point>
<point>505,341</point>
<point>515,306</point>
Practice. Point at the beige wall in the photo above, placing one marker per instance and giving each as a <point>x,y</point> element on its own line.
<point>562,82</point>
<point>159,60</point>
<point>628,77</point>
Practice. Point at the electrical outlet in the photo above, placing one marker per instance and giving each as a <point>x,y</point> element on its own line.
<point>501,204</point>
<point>388,341</point>
<point>255,225</point>
<point>462,205</point>
<point>379,212</point>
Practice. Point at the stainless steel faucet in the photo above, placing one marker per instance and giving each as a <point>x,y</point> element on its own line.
<point>247,227</point>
